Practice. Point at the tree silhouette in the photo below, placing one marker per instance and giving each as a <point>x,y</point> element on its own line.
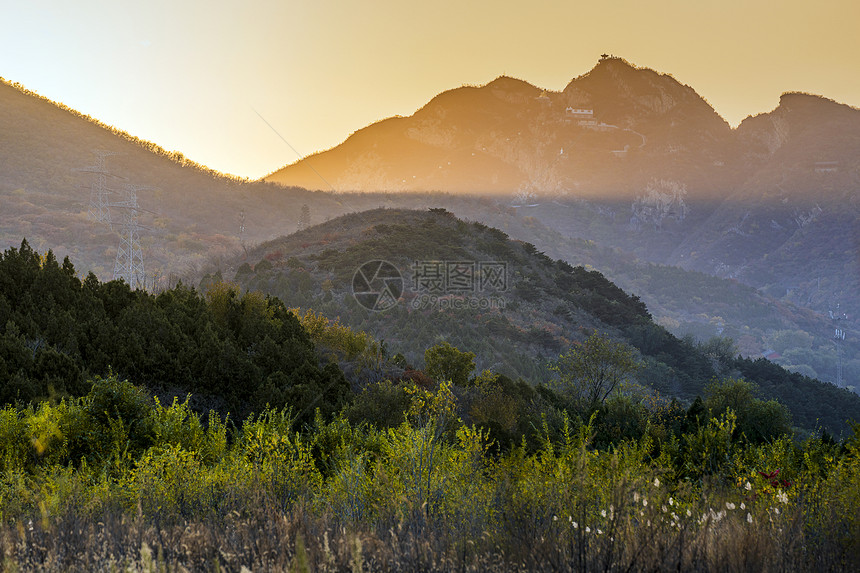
<point>591,371</point>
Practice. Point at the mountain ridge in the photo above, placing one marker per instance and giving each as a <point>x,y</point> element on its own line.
<point>649,123</point>
<point>634,159</point>
<point>549,304</point>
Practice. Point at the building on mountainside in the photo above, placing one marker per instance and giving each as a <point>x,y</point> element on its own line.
<point>582,116</point>
<point>826,166</point>
<point>578,113</point>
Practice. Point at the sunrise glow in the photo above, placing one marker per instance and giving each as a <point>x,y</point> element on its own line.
<point>191,75</point>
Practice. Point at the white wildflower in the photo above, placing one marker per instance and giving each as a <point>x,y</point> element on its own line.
<point>782,496</point>
<point>587,529</point>
<point>743,505</point>
<point>749,517</point>
<point>748,486</point>
<point>602,513</point>
<point>730,505</point>
<point>656,482</point>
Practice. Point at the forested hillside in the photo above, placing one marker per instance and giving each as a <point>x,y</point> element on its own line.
<point>546,306</point>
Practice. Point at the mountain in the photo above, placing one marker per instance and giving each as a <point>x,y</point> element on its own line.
<point>415,278</point>
<point>790,227</point>
<point>189,213</point>
<point>633,160</point>
<point>612,129</point>
<point>806,142</point>
<point>607,134</point>
<point>801,251</point>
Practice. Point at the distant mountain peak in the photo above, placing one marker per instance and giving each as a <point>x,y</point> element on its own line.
<point>509,83</point>
<point>617,68</point>
<point>802,100</point>
<point>615,62</point>
<point>607,133</point>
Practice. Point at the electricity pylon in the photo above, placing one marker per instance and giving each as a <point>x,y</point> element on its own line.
<point>838,339</point>
<point>129,256</point>
<point>99,191</point>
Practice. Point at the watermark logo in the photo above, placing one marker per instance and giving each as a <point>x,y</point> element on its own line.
<point>459,277</point>
<point>437,302</point>
<point>459,285</point>
<point>377,285</point>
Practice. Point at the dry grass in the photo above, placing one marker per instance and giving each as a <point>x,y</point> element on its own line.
<point>265,538</point>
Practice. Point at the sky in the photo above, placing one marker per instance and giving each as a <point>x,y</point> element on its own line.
<point>248,86</point>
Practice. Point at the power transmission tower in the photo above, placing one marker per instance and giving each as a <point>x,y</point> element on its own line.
<point>129,256</point>
<point>128,265</point>
<point>838,339</point>
<point>99,191</point>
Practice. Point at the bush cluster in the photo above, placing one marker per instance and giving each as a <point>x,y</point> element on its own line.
<point>242,351</point>
<point>702,498</point>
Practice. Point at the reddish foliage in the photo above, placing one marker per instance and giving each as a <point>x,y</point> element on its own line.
<point>418,378</point>
<point>772,478</point>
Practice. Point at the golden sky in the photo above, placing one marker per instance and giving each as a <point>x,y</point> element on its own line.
<point>192,75</point>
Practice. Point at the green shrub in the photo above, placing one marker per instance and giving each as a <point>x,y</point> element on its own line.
<point>382,404</point>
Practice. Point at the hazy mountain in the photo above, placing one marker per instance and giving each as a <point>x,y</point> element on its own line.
<point>190,213</point>
<point>607,134</point>
<point>791,227</point>
<point>632,159</point>
<point>515,327</point>
<point>608,131</point>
